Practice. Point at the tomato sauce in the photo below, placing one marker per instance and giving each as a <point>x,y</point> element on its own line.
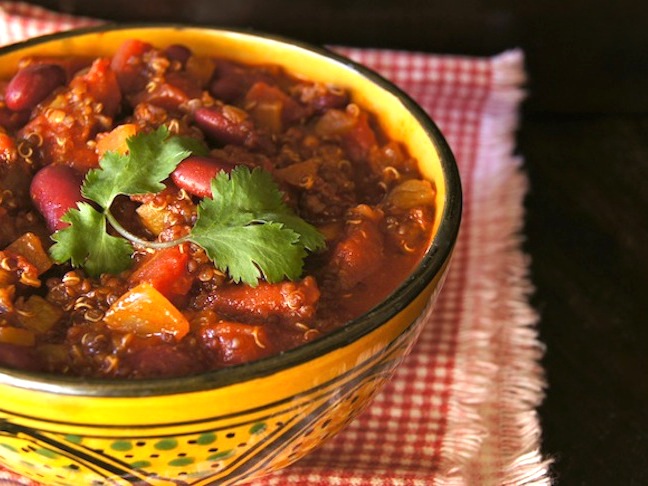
<point>173,312</point>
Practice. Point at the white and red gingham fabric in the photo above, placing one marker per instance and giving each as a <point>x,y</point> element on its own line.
<point>461,409</point>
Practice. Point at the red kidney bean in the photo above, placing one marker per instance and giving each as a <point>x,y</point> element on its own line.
<point>19,357</point>
<point>221,127</point>
<point>194,174</point>
<point>161,360</point>
<point>32,84</point>
<point>178,52</point>
<point>329,100</point>
<point>12,120</point>
<point>54,190</point>
<point>229,83</point>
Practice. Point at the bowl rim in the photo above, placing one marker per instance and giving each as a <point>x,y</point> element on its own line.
<point>431,264</point>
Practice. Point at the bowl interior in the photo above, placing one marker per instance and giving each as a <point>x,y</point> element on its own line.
<point>400,118</point>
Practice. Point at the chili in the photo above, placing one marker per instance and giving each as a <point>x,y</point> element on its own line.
<point>173,312</point>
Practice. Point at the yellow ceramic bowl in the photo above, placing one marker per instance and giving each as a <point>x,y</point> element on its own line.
<point>239,423</point>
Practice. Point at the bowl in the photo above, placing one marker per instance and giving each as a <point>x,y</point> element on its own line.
<point>246,421</point>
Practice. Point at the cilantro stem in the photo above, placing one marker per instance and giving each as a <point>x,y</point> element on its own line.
<point>157,245</point>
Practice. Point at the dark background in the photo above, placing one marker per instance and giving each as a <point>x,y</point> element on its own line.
<point>584,139</point>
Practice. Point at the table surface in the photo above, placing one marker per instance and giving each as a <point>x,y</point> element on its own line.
<point>584,140</point>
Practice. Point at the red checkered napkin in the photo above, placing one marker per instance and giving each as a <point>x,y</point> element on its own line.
<point>462,407</point>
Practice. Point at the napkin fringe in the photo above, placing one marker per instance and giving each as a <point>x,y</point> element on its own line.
<point>498,352</point>
<point>509,73</point>
<point>522,377</point>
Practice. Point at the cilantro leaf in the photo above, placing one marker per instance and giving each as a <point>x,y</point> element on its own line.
<point>255,191</point>
<point>248,252</point>
<point>248,190</point>
<point>150,159</point>
<point>85,243</point>
<point>246,228</point>
<point>248,231</point>
<point>310,238</point>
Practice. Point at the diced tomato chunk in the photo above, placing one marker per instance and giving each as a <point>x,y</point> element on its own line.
<point>126,63</point>
<point>100,83</point>
<point>7,147</point>
<point>290,300</point>
<point>360,251</point>
<point>166,270</point>
<point>75,115</point>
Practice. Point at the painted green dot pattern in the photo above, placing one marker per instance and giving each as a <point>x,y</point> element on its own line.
<point>9,447</point>
<point>206,439</point>
<point>166,444</point>
<point>121,445</point>
<point>181,461</point>
<point>176,453</point>
<point>47,453</point>
<point>219,456</point>
<point>258,428</point>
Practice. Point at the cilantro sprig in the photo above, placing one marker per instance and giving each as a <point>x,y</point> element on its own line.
<point>246,228</point>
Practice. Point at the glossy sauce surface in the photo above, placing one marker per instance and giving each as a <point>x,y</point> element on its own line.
<point>335,168</point>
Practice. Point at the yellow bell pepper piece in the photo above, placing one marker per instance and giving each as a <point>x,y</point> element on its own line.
<point>144,311</point>
<point>17,336</point>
